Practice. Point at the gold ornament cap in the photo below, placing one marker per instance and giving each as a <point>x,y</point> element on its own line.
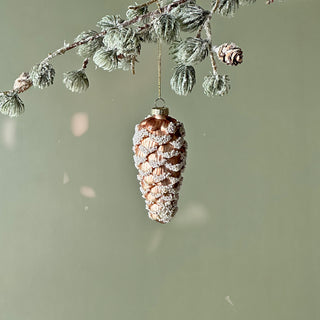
<point>160,108</point>
<point>163,111</point>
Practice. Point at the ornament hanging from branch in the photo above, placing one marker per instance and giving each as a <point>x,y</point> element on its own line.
<point>159,145</point>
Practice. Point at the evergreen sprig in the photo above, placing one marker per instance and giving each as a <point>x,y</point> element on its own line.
<point>42,75</point>
<point>133,13</point>
<point>88,48</point>
<point>216,85</point>
<point>109,21</point>
<point>106,59</point>
<point>10,104</point>
<point>190,51</point>
<point>76,81</point>
<point>166,27</point>
<point>118,44</point>
<point>123,40</point>
<point>190,16</point>
<point>183,79</point>
<point>226,7</point>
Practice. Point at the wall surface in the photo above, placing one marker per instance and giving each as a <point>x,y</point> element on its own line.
<point>75,240</point>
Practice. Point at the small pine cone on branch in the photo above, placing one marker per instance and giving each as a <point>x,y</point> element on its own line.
<point>230,54</point>
<point>160,157</point>
<point>22,83</point>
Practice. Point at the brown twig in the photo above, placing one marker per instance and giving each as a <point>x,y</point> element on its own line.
<point>142,5</point>
<point>85,63</point>
<point>133,65</point>
<point>207,28</point>
<point>213,10</point>
<point>68,47</point>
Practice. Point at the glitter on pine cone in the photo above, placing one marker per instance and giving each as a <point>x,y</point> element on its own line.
<point>160,157</point>
<point>230,54</point>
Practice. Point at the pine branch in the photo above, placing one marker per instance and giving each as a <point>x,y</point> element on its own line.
<point>119,42</point>
<point>68,47</point>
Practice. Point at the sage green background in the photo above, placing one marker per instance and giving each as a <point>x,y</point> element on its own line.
<point>245,242</point>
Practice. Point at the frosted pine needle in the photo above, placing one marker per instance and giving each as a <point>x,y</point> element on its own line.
<point>42,75</point>
<point>106,59</point>
<point>166,27</point>
<point>76,81</point>
<point>216,85</point>
<point>10,104</point>
<point>183,79</point>
<point>88,49</point>
<point>189,51</point>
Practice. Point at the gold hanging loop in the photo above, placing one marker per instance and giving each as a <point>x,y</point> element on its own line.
<point>160,108</point>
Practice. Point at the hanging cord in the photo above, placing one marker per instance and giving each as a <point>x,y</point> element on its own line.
<point>159,104</point>
<point>159,68</point>
<point>159,59</point>
<point>160,108</point>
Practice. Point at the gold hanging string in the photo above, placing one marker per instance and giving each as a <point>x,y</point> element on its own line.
<point>159,104</point>
<point>160,108</point>
<point>159,68</point>
<point>159,59</point>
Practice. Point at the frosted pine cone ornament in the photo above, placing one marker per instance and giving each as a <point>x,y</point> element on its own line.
<point>160,157</point>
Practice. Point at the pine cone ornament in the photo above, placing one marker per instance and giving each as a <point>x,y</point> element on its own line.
<point>230,54</point>
<point>160,157</point>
